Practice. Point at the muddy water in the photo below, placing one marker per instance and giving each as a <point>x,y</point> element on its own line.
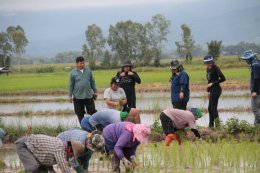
<point>70,121</point>
<point>143,103</point>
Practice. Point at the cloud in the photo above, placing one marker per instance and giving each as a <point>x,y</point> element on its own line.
<point>41,5</point>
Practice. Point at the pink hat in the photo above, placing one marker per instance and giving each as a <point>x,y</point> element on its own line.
<point>141,133</point>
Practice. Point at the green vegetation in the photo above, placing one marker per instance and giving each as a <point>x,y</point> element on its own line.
<point>57,80</point>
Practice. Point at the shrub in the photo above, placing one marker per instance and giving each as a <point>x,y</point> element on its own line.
<point>48,69</point>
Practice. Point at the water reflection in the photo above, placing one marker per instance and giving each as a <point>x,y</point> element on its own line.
<point>145,103</point>
<point>70,121</point>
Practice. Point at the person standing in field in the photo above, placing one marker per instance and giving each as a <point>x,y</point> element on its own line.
<point>128,78</point>
<point>180,92</point>
<point>214,78</point>
<point>173,120</point>
<point>82,89</point>
<point>252,60</point>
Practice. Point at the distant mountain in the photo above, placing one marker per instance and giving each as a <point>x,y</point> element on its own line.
<point>50,32</point>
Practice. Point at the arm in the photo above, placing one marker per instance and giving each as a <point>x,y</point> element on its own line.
<point>71,85</point>
<point>196,133</point>
<point>221,77</point>
<point>93,83</point>
<point>256,79</point>
<point>122,141</point>
<point>61,161</point>
<point>136,77</point>
<point>111,103</point>
<point>255,85</point>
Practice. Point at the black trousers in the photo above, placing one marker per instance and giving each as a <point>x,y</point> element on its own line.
<point>167,124</point>
<point>179,105</point>
<point>213,106</point>
<point>81,104</point>
<point>131,100</point>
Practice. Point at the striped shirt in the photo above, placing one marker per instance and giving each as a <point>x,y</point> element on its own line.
<point>48,150</point>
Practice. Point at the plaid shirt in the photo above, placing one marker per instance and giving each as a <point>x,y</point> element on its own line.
<point>48,150</point>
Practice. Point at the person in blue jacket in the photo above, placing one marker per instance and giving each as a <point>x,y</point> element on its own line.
<point>180,92</point>
<point>251,59</point>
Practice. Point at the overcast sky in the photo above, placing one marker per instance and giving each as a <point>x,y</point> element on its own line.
<point>37,5</point>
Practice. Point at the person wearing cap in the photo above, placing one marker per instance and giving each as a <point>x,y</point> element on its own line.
<point>40,152</point>
<point>214,78</point>
<point>128,79</point>
<point>173,120</point>
<point>115,98</point>
<point>180,92</point>
<point>252,60</point>
<point>86,139</point>
<point>102,118</point>
<point>82,89</point>
<point>2,134</point>
<point>122,140</point>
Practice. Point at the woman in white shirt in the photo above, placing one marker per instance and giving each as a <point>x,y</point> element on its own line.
<point>115,98</point>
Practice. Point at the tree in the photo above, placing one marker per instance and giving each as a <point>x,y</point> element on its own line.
<point>95,43</point>
<point>214,48</point>
<point>124,39</point>
<point>107,60</point>
<point>19,41</point>
<point>157,31</point>
<point>187,45</point>
<point>5,50</point>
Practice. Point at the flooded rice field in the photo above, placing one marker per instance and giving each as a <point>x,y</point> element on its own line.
<point>231,104</point>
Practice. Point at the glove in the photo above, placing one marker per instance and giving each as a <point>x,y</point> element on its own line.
<point>127,163</point>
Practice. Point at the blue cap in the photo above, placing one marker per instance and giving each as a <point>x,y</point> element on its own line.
<point>85,125</point>
<point>208,59</point>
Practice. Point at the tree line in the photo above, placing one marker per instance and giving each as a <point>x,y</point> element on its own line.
<point>141,43</point>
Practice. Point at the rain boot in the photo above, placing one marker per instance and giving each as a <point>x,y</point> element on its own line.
<point>172,136</point>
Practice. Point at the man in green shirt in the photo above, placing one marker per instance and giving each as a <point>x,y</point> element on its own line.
<point>82,89</point>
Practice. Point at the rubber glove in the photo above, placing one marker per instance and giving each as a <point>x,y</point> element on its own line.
<point>126,163</point>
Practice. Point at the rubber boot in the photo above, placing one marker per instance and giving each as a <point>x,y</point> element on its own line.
<point>172,136</point>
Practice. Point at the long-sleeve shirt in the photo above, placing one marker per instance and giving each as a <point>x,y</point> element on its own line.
<point>180,83</point>
<point>120,138</point>
<point>214,76</point>
<point>104,117</point>
<point>74,135</point>
<point>48,150</point>
<point>182,119</point>
<point>255,77</point>
<point>82,85</point>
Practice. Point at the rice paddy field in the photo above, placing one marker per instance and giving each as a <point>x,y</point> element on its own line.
<point>39,100</point>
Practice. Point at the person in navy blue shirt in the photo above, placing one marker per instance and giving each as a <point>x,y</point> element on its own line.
<point>254,63</point>
<point>180,92</point>
<point>214,78</point>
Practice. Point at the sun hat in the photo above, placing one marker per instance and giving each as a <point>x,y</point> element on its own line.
<point>97,141</point>
<point>141,133</point>
<point>208,59</point>
<point>197,112</point>
<point>248,54</point>
<point>78,148</point>
<point>127,63</point>
<point>174,64</point>
<point>85,125</point>
<point>2,134</point>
